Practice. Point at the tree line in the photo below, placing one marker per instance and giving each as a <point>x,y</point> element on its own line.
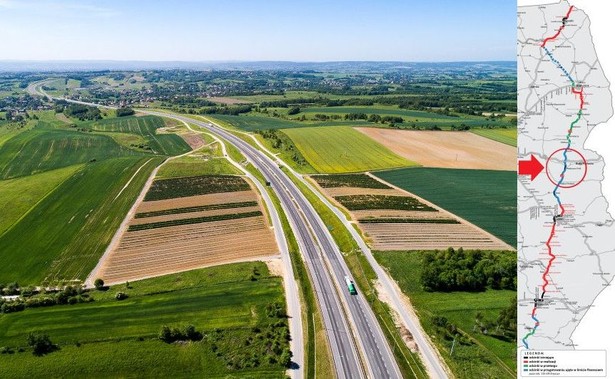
<point>471,270</point>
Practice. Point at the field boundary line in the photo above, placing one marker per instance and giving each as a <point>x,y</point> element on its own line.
<point>131,178</point>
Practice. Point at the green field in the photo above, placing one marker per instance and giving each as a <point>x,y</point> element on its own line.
<point>253,122</point>
<point>22,194</point>
<point>45,148</point>
<point>340,149</point>
<point>507,136</point>
<point>486,198</point>
<point>487,356</point>
<point>146,126</point>
<point>412,118</point>
<point>66,191</point>
<point>65,234</point>
<point>110,338</point>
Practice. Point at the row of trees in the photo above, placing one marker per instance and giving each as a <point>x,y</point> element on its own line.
<point>472,270</point>
<point>29,299</point>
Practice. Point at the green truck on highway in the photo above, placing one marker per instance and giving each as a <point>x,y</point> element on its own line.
<point>351,288</point>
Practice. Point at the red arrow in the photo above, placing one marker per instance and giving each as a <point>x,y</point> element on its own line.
<point>530,167</point>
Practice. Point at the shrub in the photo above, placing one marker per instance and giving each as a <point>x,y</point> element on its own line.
<point>188,333</point>
<point>40,344</point>
<point>121,296</point>
<point>99,284</point>
<point>124,111</point>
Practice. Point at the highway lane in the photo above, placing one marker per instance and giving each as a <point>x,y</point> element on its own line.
<point>345,316</point>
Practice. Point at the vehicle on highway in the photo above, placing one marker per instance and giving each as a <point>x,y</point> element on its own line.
<point>351,287</point>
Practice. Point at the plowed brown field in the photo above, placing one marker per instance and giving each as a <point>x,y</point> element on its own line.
<point>446,149</point>
<point>192,201</point>
<point>169,249</point>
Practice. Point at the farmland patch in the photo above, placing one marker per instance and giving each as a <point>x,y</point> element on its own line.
<point>63,236</point>
<point>360,202</point>
<point>195,185</point>
<point>341,149</point>
<point>391,219</point>
<point>507,136</point>
<point>182,233</point>
<point>485,198</point>
<point>145,126</point>
<point>227,304</point>
<point>446,149</point>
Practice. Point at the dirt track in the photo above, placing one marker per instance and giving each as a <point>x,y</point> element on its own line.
<point>446,149</point>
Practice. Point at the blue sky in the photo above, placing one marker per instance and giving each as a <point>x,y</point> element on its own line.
<point>406,30</point>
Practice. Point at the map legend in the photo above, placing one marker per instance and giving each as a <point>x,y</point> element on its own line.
<point>563,363</point>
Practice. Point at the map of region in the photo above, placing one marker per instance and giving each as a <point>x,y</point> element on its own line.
<point>565,247</point>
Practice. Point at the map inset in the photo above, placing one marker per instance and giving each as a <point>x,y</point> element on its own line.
<point>565,247</point>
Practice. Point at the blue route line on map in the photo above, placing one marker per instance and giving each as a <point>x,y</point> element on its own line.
<point>559,65</point>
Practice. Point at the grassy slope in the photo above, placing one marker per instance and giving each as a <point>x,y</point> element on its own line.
<point>165,144</point>
<point>196,166</point>
<point>22,194</point>
<point>488,357</point>
<point>64,235</point>
<point>507,136</point>
<point>108,330</point>
<point>483,197</point>
<point>342,149</point>
<point>207,161</point>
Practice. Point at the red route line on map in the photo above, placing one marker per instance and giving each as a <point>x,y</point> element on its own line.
<point>544,42</point>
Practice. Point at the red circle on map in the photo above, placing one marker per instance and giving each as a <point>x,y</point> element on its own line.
<point>584,168</point>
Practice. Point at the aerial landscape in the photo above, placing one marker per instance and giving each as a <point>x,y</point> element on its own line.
<point>253,216</point>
